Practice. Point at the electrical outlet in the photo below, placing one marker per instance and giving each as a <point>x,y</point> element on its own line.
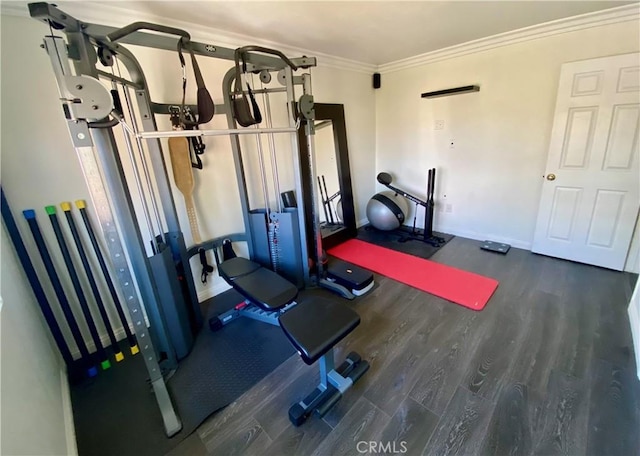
<point>438,125</point>
<point>448,208</point>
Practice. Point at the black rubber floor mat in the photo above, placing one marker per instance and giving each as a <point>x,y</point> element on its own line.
<point>116,414</point>
<point>223,365</point>
<point>392,240</point>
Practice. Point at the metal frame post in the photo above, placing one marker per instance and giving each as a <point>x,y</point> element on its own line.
<point>297,172</point>
<point>84,140</point>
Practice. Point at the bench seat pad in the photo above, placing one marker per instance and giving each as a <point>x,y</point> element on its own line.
<point>316,324</point>
<point>259,285</point>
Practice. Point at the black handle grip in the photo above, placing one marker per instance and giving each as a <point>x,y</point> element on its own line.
<point>265,50</point>
<point>131,28</point>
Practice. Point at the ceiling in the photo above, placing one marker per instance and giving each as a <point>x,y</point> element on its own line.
<point>364,31</point>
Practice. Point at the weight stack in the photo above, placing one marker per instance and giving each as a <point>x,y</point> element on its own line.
<point>173,308</point>
<point>289,263</point>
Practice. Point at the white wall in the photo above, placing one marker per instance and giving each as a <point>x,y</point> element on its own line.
<point>34,402</point>
<point>492,177</point>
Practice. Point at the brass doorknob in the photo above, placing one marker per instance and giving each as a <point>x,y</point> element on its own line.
<point>551,177</point>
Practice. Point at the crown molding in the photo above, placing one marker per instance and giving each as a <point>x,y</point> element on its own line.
<point>112,14</point>
<point>584,21</point>
<point>117,16</point>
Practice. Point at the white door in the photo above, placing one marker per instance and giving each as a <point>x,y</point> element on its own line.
<point>590,196</point>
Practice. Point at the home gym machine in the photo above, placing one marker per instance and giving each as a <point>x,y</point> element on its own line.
<point>98,101</point>
<point>427,234</point>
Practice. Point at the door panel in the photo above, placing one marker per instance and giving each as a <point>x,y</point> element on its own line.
<point>587,83</point>
<point>579,137</point>
<point>591,194</point>
<point>565,205</point>
<point>623,138</point>
<point>629,80</point>
<point>606,216</point>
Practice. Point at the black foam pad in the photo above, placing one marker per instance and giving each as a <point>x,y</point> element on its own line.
<point>237,267</point>
<point>241,107</point>
<point>316,324</point>
<point>266,289</point>
<point>206,107</point>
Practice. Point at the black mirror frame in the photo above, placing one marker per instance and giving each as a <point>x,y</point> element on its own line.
<point>335,113</point>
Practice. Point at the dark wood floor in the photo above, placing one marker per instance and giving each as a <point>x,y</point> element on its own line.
<point>547,368</point>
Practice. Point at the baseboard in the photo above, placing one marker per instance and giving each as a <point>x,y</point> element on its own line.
<point>634,321</point>
<point>483,237</point>
<point>67,410</point>
<point>470,235</point>
<point>210,292</point>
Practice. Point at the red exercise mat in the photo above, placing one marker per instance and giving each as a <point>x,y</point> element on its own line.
<point>455,285</point>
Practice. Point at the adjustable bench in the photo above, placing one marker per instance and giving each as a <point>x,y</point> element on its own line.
<point>314,326</point>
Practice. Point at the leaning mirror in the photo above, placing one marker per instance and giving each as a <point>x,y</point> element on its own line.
<point>332,186</point>
<point>328,201</point>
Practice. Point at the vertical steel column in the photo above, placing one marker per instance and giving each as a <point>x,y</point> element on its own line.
<point>297,172</point>
<point>106,150</point>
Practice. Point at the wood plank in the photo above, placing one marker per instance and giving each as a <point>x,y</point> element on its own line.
<point>462,428</point>
<point>579,313</point>
<point>245,437</point>
<point>562,426</point>
<point>273,415</point>
<point>511,430</point>
<point>382,339</point>
<point>364,422</point>
<point>577,328</point>
<point>613,341</point>
<point>492,362</point>
<point>373,343</point>
<point>301,440</point>
<point>447,362</point>
<point>410,428</point>
<point>389,298</point>
<point>552,277</point>
<point>406,364</point>
<point>543,332</point>
<point>615,394</point>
